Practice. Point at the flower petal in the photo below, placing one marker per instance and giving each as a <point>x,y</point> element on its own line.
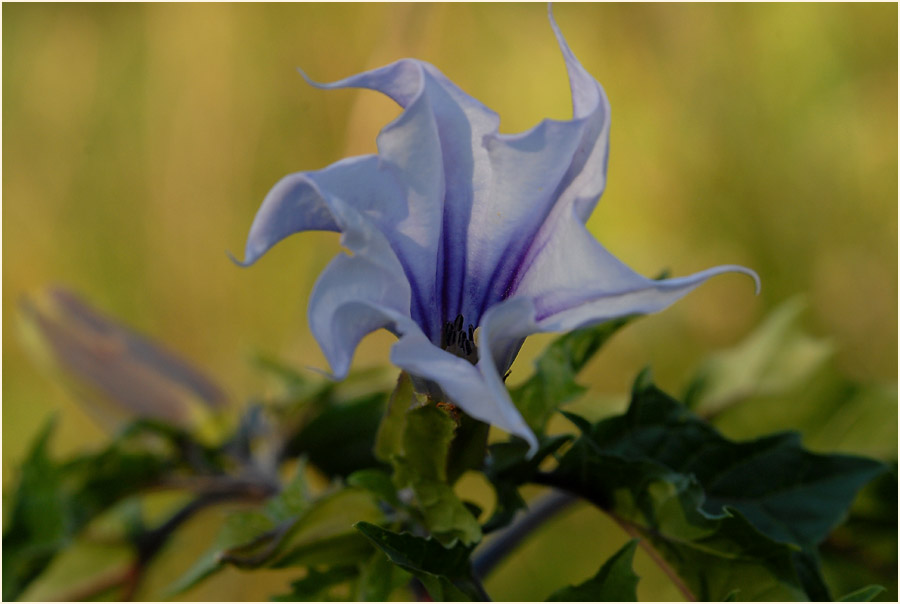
<point>478,390</point>
<point>574,281</point>
<point>462,123</point>
<point>536,176</point>
<point>356,295</point>
<point>400,191</point>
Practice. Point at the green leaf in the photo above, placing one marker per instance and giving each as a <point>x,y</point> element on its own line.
<point>426,442</point>
<point>377,482</point>
<point>426,446</point>
<point>663,470</point>
<point>330,517</point>
<point>508,467</point>
<point>389,440</point>
<point>37,529</point>
<point>553,382</point>
<point>240,528</point>
<point>775,358</point>
<point>348,428</point>
<point>330,551</point>
<point>865,594</point>
<point>312,586</point>
<point>795,496</point>
<point>863,550</point>
<point>320,531</point>
<point>54,501</point>
<point>417,440</point>
<point>293,499</point>
<point>379,577</point>
<point>614,582</point>
<point>468,448</point>
<point>445,572</point>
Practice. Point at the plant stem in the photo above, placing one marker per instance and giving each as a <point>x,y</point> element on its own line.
<point>655,556</point>
<point>148,544</point>
<point>500,546</point>
<point>550,480</point>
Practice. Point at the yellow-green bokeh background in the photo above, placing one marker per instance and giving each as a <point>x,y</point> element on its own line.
<point>138,141</point>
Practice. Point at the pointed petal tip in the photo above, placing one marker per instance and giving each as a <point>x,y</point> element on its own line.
<point>553,24</point>
<point>316,84</point>
<point>240,263</point>
<point>308,79</point>
<point>736,268</point>
<point>752,274</point>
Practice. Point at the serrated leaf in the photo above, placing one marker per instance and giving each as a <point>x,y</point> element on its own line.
<point>445,572</point>
<point>553,382</point>
<point>389,439</point>
<point>663,470</point>
<point>865,594</point>
<point>426,447</point>
<point>312,586</point>
<point>795,496</point>
<point>614,582</point>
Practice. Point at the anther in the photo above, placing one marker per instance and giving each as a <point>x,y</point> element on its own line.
<point>459,340</point>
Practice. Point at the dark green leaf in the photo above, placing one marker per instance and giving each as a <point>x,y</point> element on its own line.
<point>377,482</point>
<point>721,512</point>
<point>614,582</point>
<point>379,577</point>
<point>37,526</point>
<point>341,438</point>
<point>806,563</point>
<point>55,501</point>
<point>553,382</point>
<point>863,550</point>
<point>312,586</point>
<point>794,496</point>
<point>508,467</point>
<point>468,448</point>
<point>866,594</point>
<point>445,572</point>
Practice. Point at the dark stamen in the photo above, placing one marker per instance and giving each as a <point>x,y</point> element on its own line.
<point>458,340</point>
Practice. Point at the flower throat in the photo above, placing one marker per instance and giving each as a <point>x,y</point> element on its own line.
<point>459,341</point>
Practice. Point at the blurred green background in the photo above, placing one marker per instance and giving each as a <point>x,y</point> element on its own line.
<point>139,141</point>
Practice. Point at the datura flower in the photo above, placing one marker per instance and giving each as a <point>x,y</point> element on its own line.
<point>462,241</point>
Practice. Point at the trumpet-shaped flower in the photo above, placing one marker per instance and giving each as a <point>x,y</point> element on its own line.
<point>463,241</point>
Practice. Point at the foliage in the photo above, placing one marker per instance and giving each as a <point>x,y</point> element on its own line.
<point>614,582</point>
<point>356,490</point>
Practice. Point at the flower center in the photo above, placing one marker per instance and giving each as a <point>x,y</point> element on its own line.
<point>459,341</point>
